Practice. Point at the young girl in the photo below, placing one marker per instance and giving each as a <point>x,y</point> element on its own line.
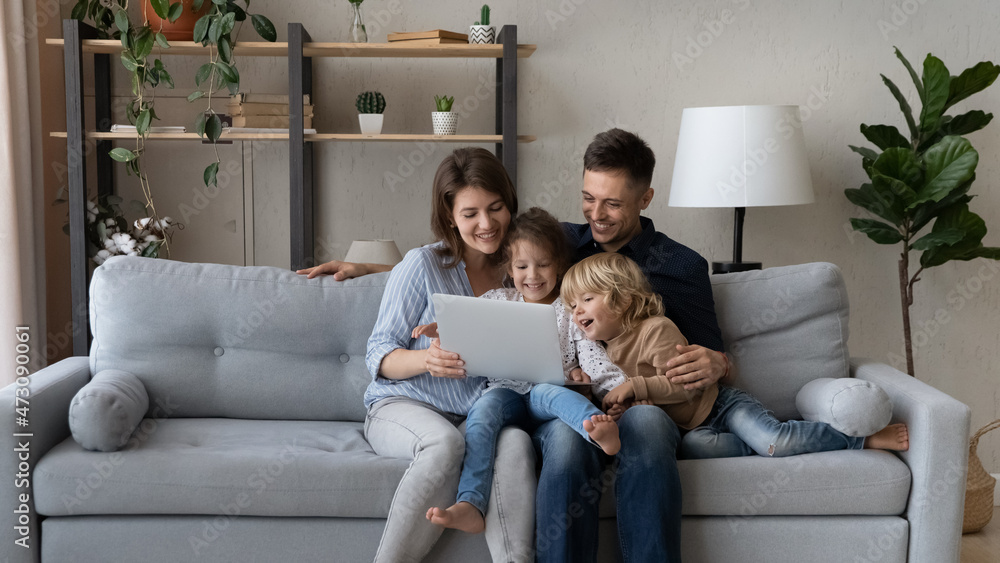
<point>611,301</point>
<point>536,255</point>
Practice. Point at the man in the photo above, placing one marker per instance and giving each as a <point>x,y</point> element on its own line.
<point>617,178</point>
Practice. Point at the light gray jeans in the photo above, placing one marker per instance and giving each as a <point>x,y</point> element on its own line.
<point>405,428</point>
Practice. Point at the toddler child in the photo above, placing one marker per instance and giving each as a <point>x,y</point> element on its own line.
<point>612,301</point>
<point>536,255</point>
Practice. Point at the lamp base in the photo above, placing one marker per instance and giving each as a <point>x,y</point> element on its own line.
<point>732,267</point>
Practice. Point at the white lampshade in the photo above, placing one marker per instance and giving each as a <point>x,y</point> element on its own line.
<point>741,156</point>
<point>380,251</point>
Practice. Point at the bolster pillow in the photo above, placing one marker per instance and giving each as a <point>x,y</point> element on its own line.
<point>106,411</point>
<point>852,406</point>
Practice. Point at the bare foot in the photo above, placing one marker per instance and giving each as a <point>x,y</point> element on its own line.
<point>460,516</point>
<point>603,430</point>
<point>894,437</point>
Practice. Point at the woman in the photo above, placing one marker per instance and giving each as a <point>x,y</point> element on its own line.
<point>420,393</point>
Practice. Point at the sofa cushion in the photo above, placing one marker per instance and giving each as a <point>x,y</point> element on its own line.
<point>855,482</point>
<point>783,327</point>
<point>853,406</point>
<point>217,466</point>
<point>107,410</point>
<point>237,342</point>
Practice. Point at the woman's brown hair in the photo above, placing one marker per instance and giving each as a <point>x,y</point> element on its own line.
<point>464,168</point>
<point>541,229</point>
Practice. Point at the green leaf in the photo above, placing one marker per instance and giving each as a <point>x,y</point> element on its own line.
<point>215,30</point>
<point>122,155</point>
<point>904,106</point>
<point>936,86</point>
<point>115,200</point>
<point>865,152</point>
<point>129,63</point>
<point>955,218</point>
<point>876,203</point>
<point>949,164</point>
<point>199,124</point>
<point>121,20</point>
<point>102,230</point>
<point>972,80</point>
<point>900,164</point>
<point>877,231</point>
<point>225,50</point>
<point>968,122</point>
<point>197,4</point>
<point>229,72</point>
<point>153,250</point>
<point>201,28</point>
<point>927,211</point>
<point>79,11</point>
<point>165,76</point>
<point>161,7</point>
<point>144,45</point>
<point>228,23</point>
<point>944,237</point>
<point>884,136</point>
<point>210,174</point>
<point>913,75</point>
<point>161,40</point>
<point>175,11</point>
<point>213,128</point>
<point>142,125</point>
<point>264,27</point>
<point>125,41</point>
<point>195,95</point>
<point>204,72</point>
<point>241,14</point>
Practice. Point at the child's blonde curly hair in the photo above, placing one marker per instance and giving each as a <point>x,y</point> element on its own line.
<point>624,287</point>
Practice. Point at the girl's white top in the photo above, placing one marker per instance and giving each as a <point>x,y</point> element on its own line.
<point>577,351</point>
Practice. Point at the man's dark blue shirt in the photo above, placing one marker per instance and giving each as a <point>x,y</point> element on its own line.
<point>677,273</point>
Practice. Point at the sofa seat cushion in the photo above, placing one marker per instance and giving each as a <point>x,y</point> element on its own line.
<point>859,482</point>
<point>223,466</point>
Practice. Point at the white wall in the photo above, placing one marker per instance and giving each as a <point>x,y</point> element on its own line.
<point>601,64</point>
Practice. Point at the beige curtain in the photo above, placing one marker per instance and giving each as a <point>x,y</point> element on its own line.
<point>19,214</point>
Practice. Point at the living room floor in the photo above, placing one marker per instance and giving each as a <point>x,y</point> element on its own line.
<point>984,545</point>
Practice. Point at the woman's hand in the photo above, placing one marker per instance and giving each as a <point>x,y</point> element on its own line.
<point>580,376</point>
<point>441,363</point>
<point>343,270</point>
<point>696,367</point>
<point>428,330</point>
<point>620,395</point>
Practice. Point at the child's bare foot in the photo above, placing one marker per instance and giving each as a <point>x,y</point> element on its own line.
<point>460,516</point>
<point>603,430</point>
<point>894,437</point>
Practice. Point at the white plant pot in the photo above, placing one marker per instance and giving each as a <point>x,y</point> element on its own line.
<point>445,122</point>
<point>482,34</point>
<point>371,123</point>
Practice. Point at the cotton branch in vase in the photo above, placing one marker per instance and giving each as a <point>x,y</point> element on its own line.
<point>926,177</point>
<point>215,30</point>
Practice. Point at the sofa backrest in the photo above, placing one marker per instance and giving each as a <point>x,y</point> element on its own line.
<point>783,327</point>
<point>210,340</point>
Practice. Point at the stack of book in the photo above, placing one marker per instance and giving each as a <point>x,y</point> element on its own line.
<point>265,111</point>
<point>433,37</point>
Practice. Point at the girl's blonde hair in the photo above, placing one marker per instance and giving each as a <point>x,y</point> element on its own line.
<point>624,287</point>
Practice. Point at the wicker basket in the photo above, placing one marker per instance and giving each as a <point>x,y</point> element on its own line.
<point>978,487</point>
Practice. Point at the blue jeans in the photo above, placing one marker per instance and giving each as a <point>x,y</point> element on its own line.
<point>498,408</point>
<point>742,426</point>
<point>647,488</point>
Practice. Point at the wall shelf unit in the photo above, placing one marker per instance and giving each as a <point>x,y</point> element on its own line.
<point>79,39</point>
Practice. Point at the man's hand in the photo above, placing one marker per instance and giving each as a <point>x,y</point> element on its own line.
<point>696,367</point>
<point>428,330</point>
<point>578,375</point>
<point>624,393</point>
<point>343,270</point>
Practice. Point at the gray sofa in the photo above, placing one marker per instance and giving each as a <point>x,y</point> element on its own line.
<point>253,446</point>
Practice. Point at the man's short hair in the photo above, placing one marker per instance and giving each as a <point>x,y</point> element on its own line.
<point>620,152</point>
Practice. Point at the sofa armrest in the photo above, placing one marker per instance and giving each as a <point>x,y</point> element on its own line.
<point>938,459</point>
<point>50,391</point>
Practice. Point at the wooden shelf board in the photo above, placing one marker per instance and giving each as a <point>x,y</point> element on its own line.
<point>318,137</point>
<point>265,49</point>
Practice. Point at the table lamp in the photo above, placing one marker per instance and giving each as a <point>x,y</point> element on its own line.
<point>381,251</point>
<point>739,157</point>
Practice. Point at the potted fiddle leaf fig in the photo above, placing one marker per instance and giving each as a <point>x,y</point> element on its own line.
<point>482,31</point>
<point>923,180</point>
<point>445,122</point>
<point>370,107</point>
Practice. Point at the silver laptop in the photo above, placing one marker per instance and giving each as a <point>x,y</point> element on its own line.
<point>501,339</point>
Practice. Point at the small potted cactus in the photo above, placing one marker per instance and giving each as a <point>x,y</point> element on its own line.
<point>445,122</point>
<point>482,31</point>
<point>370,107</point>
